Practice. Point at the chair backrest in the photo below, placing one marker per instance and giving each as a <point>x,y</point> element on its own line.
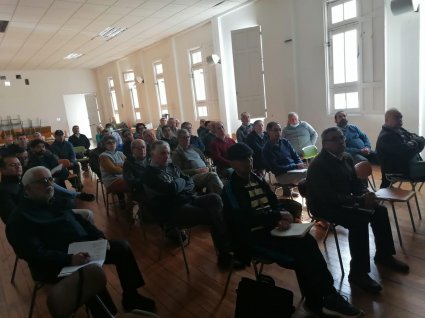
<point>310,152</point>
<point>363,170</point>
<point>80,150</point>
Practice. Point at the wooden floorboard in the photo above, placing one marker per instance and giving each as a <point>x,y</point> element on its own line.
<point>199,293</point>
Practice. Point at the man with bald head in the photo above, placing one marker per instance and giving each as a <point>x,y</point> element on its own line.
<point>40,231</point>
<point>399,150</point>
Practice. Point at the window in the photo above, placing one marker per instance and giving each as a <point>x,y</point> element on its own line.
<point>113,97</point>
<point>355,55</point>
<point>198,82</point>
<point>343,54</point>
<point>160,88</point>
<point>129,79</point>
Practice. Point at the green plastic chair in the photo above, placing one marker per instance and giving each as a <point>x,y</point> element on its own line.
<point>309,153</point>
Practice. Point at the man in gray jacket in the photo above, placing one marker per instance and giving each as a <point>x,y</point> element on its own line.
<point>299,133</point>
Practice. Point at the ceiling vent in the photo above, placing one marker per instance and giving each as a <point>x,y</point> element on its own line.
<point>3,25</point>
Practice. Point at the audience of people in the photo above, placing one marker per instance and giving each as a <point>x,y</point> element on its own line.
<point>254,211</point>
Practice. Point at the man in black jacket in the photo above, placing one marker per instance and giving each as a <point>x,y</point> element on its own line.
<point>253,211</point>
<point>77,139</point>
<point>336,194</point>
<point>40,231</point>
<point>170,196</point>
<point>398,150</point>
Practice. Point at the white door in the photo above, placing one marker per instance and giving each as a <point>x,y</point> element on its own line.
<point>248,68</point>
<point>92,112</point>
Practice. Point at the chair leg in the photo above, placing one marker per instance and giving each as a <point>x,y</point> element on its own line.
<point>226,287</point>
<point>183,251</point>
<point>417,205</point>
<point>411,216</point>
<point>107,203</point>
<point>37,286</point>
<point>338,250</point>
<point>396,224</point>
<point>12,279</point>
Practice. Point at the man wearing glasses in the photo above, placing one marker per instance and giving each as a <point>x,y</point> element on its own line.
<point>40,231</point>
<point>335,194</point>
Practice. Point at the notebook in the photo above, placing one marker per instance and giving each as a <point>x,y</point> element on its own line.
<point>295,230</point>
<point>96,249</point>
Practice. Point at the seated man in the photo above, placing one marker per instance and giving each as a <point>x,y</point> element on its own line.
<point>169,137</point>
<point>399,150</point>
<point>127,139</point>
<point>191,161</point>
<point>195,141</point>
<point>162,123</point>
<point>77,139</point>
<point>299,133</point>
<point>65,150</point>
<point>208,136</point>
<point>218,149</point>
<point>39,156</point>
<point>253,211</point>
<point>40,231</point>
<point>243,131</point>
<point>336,194</point>
<point>22,141</point>
<point>357,143</point>
<point>170,196</point>
<point>149,138</point>
<point>256,141</point>
<point>135,166</point>
<point>202,129</point>
<point>281,158</point>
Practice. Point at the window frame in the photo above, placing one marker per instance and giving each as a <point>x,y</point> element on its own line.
<point>200,105</point>
<point>338,28</point>
<point>113,99</point>
<point>159,77</point>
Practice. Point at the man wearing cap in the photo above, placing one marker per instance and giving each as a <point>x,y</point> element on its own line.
<point>253,211</point>
<point>65,150</point>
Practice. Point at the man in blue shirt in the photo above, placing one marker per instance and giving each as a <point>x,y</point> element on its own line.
<point>281,158</point>
<point>357,143</point>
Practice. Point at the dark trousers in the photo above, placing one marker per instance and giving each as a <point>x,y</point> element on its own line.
<point>313,275</point>
<point>206,210</point>
<point>357,224</point>
<point>121,255</point>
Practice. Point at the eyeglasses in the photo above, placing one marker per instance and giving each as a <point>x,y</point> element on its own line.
<point>14,164</point>
<point>44,181</point>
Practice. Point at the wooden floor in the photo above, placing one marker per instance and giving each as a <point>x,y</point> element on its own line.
<point>199,293</point>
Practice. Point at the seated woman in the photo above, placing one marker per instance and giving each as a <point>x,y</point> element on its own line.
<point>140,128</point>
<point>252,212</point>
<point>111,164</point>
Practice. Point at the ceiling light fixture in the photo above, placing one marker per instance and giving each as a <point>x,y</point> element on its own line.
<point>72,56</point>
<point>110,32</point>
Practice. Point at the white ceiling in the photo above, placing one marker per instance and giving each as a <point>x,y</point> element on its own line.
<point>42,32</point>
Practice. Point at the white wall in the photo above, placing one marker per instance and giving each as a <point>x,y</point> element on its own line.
<point>42,100</point>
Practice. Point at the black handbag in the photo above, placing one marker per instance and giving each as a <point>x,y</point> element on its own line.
<point>261,298</point>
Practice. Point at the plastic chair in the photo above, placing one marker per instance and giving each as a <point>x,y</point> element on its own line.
<point>391,195</point>
<point>309,152</point>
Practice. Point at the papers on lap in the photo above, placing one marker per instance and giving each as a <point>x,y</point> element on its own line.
<point>96,250</point>
<point>296,230</point>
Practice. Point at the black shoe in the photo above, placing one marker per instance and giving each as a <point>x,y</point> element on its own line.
<point>364,281</point>
<point>138,301</point>
<point>173,236</point>
<point>338,305</point>
<point>393,263</point>
<point>86,196</point>
<point>224,262</point>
